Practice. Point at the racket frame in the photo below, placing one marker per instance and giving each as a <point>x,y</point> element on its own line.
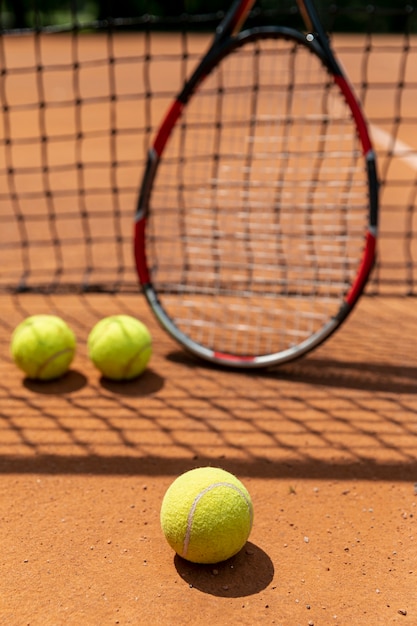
<point>227,38</point>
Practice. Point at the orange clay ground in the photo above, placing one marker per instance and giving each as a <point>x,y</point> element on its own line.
<point>326,446</point>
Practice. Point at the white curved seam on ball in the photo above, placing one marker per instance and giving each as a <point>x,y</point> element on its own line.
<point>51,358</point>
<point>134,357</point>
<point>197,500</point>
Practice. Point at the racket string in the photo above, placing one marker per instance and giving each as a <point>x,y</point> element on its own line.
<point>260,203</point>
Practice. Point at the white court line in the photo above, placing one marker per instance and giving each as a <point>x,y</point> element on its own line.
<point>398,147</point>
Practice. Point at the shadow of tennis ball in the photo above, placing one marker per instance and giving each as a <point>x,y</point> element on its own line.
<point>146,384</point>
<point>68,383</point>
<point>247,573</point>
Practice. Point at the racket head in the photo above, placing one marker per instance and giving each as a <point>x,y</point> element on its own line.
<point>255,232</point>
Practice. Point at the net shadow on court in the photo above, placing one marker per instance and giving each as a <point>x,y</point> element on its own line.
<point>75,131</point>
<point>335,414</point>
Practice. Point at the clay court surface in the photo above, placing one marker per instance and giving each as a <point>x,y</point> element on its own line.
<point>327,447</point>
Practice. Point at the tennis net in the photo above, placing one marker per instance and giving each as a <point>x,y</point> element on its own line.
<point>81,99</point>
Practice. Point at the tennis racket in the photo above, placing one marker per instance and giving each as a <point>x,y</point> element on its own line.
<point>256,222</point>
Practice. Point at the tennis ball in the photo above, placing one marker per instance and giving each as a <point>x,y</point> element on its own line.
<point>206,515</point>
<point>120,346</point>
<point>43,346</point>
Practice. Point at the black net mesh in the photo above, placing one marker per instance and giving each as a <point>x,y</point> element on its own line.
<point>81,99</point>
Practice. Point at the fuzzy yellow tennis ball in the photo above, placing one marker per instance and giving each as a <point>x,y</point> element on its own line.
<point>43,346</point>
<point>207,515</point>
<point>120,346</point>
